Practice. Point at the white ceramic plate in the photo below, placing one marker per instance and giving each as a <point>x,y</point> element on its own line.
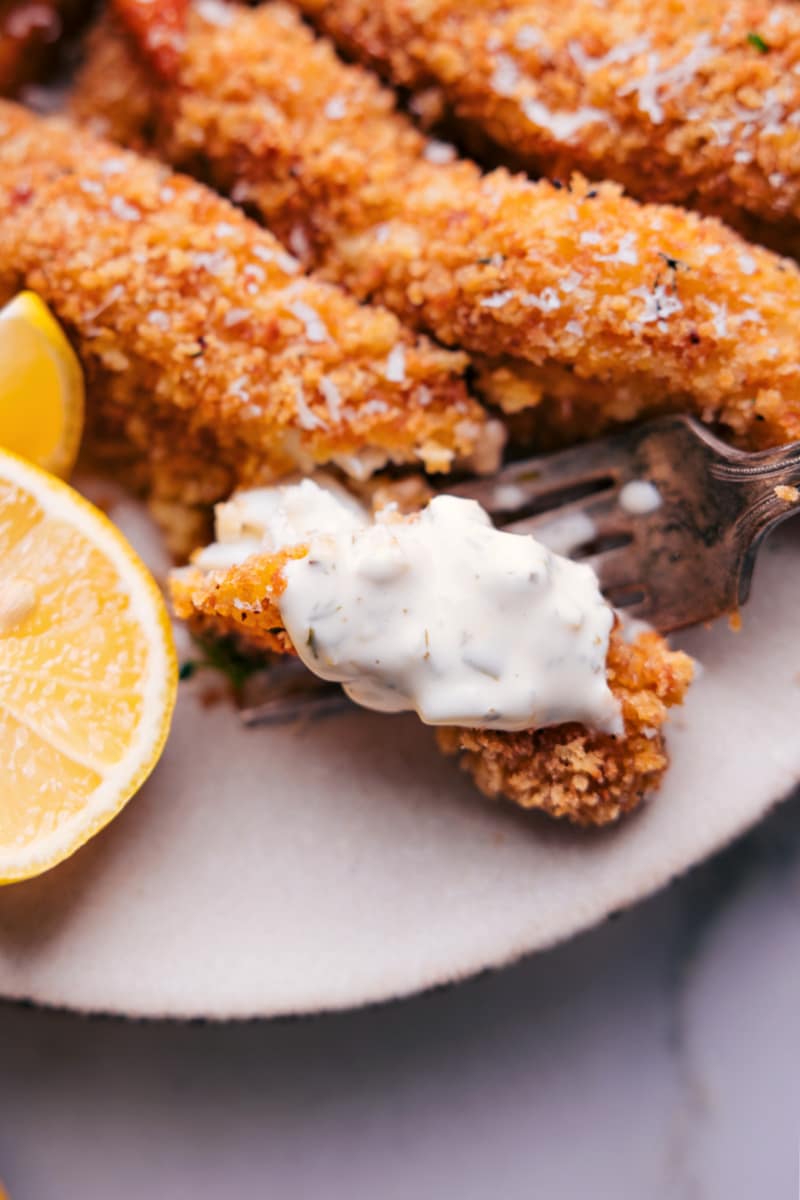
<point>268,872</point>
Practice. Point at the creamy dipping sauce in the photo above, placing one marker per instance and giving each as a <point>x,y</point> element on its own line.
<point>438,613</point>
<point>639,497</point>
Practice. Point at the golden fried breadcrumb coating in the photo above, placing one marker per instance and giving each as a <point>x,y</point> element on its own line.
<point>571,771</point>
<point>239,602</point>
<point>567,771</point>
<point>693,102</point>
<point>158,27</point>
<point>206,349</point>
<point>553,290</point>
<point>115,90</point>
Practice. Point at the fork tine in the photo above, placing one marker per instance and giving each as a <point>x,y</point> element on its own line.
<point>566,528</point>
<point>640,609</point>
<point>617,572</point>
<point>545,482</point>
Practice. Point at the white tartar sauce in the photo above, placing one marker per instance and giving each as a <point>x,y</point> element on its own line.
<point>438,613</point>
<point>639,497</point>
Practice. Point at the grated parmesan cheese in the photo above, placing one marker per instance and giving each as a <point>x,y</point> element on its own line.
<point>396,365</point>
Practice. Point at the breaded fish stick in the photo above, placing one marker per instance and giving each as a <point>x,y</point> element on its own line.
<point>693,103</point>
<point>205,348</point>
<point>554,291</point>
<point>567,771</point>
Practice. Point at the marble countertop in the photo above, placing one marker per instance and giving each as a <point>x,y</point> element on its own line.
<point>656,1056</point>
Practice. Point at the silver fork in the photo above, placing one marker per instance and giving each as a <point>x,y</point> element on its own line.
<point>686,561</point>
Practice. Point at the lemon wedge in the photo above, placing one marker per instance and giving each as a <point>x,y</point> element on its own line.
<point>41,386</point>
<point>88,673</point>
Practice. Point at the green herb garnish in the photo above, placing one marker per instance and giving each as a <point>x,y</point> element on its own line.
<point>222,655</point>
<point>755,39</point>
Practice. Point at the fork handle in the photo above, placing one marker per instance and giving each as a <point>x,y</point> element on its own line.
<point>763,476</point>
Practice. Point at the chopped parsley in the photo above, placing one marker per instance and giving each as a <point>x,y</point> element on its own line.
<point>755,39</point>
<point>223,656</point>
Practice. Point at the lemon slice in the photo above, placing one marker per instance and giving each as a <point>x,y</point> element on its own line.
<point>41,386</point>
<point>88,672</point>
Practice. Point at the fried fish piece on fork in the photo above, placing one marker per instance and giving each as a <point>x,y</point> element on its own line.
<point>565,769</point>
<point>689,103</point>
<point>208,354</point>
<point>608,308</point>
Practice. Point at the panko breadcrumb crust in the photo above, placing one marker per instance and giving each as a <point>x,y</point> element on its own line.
<point>567,771</point>
<point>210,358</point>
<point>571,771</point>
<point>688,103</point>
<point>558,293</point>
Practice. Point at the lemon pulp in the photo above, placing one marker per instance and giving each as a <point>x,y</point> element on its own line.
<point>87,670</point>
<point>41,386</point>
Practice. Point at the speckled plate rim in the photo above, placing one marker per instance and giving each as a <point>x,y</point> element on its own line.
<point>303,870</point>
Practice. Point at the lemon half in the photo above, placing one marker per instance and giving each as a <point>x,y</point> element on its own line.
<point>88,673</point>
<point>41,386</point>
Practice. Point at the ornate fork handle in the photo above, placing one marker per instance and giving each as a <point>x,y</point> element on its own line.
<point>770,487</point>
